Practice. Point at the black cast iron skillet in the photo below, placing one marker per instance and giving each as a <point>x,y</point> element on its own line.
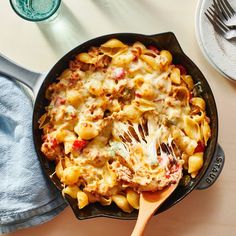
<point>38,83</point>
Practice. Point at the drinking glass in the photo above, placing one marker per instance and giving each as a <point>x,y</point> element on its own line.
<point>36,10</point>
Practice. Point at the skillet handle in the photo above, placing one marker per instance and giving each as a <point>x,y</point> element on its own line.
<point>168,40</point>
<point>10,69</point>
<point>214,170</point>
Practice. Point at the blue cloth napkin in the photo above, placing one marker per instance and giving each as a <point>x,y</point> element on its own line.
<point>27,198</point>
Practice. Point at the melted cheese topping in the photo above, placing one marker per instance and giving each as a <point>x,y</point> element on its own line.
<point>122,117</point>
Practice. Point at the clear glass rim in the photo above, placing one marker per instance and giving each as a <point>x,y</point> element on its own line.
<point>34,20</point>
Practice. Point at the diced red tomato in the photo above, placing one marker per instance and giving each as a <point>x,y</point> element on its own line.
<point>73,116</point>
<point>174,168</point>
<point>190,96</point>
<point>154,49</point>
<point>138,95</point>
<point>168,176</point>
<point>78,145</point>
<point>44,137</point>
<point>139,51</point>
<point>135,58</point>
<point>118,73</point>
<point>200,147</point>
<point>60,101</point>
<point>53,143</point>
<point>182,69</point>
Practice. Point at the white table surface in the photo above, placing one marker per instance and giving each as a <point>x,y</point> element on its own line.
<point>38,46</point>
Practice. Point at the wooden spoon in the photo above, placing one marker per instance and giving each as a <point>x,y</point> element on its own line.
<point>149,203</point>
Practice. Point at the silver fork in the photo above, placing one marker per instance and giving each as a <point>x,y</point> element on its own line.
<point>219,26</point>
<point>225,11</point>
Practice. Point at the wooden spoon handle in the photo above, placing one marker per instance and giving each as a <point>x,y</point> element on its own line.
<point>143,218</point>
<point>149,203</point>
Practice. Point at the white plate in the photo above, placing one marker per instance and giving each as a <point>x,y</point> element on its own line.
<point>217,50</point>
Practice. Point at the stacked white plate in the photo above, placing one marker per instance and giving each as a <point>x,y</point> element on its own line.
<point>220,52</point>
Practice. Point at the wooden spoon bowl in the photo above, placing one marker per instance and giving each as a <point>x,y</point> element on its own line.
<point>149,203</point>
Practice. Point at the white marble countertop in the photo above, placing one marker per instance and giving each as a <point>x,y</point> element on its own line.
<point>38,46</point>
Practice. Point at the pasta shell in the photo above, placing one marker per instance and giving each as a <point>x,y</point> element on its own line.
<point>109,176</point>
<point>199,118</point>
<point>191,128</point>
<point>139,45</point>
<point>70,175</point>
<point>175,76</point>
<point>122,202</point>
<point>86,130</point>
<point>133,198</point>
<point>43,121</point>
<point>130,112</point>
<point>68,162</point>
<point>86,58</point>
<point>188,80</point>
<point>65,74</point>
<point>105,201</point>
<point>71,190</point>
<point>74,97</point>
<point>144,105</point>
<point>113,43</point>
<point>184,142</point>
<point>59,169</point>
<point>123,59</point>
<point>182,94</point>
<point>167,56</point>
<point>199,102</point>
<point>195,162</point>
<point>150,61</point>
<point>65,135</point>
<point>82,199</point>
<point>206,131</point>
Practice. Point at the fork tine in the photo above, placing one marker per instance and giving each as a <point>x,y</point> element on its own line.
<point>215,24</point>
<point>222,24</point>
<point>217,19</point>
<point>232,11</point>
<point>224,10</point>
<point>217,10</point>
<point>217,28</point>
<point>211,11</point>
